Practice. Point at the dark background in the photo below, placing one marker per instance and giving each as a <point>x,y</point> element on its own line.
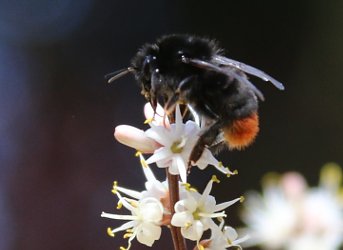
<point>58,158</point>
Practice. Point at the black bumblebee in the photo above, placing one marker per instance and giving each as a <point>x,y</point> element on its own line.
<point>192,70</point>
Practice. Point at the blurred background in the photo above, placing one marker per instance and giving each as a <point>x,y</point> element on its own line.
<point>58,158</point>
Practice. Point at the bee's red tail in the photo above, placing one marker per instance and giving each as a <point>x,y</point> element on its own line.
<point>241,133</point>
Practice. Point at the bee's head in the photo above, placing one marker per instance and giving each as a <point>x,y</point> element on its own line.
<point>166,55</point>
<point>160,67</point>
<point>145,63</point>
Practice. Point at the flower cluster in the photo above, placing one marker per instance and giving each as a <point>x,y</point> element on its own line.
<point>194,213</point>
<point>150,209</point>
<point>289,215</point>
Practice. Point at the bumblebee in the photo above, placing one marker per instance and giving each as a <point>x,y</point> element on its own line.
<point>193,70</point>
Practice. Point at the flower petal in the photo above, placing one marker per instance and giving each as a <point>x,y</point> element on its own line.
<point>151,209</point>
<point>160,134</point>
<point>147,233</point>
<point>159,154</point>
<point>135,138</point>
<point>182,168</point>
<point>230,233</point>
<point>125,226</point>
<point>118,216</point>
<point>225,205</point>
<point>181,219</point>
<point>157,116</point>
<point>178,121</point>
<point>130,192</point>
<point>193,232</point>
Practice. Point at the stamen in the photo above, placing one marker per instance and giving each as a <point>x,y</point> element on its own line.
<point>110,232</point>
<point>134,203</point>
<point>231,173</point>
<point>200,247</point>
<point>149,120</point>
<point>143,163</point>
<point>226,170</point>
<point>119,205</point>
<point>115,187</point>
<point>177,146</point>
<point>118,216</point>
<point>188,225</point>
<point>215,179</point>
<point>188,187</point>
<point>127,235</point>
<point>196,215</point>
<point>214,215</point>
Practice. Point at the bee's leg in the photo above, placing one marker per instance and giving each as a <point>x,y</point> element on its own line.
<point>207,110</point>
<point>217,147</point>
<point>206,139</point>
<point>185,111</point>
<point>170,104</point>
<point>153,103</point>
<point>156,85</point>
<point>183,86</point>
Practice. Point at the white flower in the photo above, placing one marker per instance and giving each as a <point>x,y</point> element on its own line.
<point>291,216</point>
<point>222,238</point>
<point>177,142</point>
<point>194,213</point>
<point>154,188</point>
<point>149,209</point>
<point>232,239</point>
<point>158,190</point>
<point>144,221</point>
<point>171,144</point>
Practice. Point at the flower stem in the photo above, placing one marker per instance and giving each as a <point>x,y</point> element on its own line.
<point>173,182</point>
<point>174,196</point>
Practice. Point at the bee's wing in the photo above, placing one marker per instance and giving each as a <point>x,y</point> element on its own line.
<point>247,69</point>
<point>229,71</point>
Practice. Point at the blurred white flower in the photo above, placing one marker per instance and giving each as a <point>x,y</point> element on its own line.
<point>291,216</point>
<point>195,213</point>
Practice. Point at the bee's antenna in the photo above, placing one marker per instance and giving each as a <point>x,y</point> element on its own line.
<point>111,77</point>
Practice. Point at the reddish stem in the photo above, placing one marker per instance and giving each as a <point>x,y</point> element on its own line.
<point>173,182</point>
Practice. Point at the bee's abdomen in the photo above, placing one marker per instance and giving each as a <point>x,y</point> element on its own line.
<point>241,133</point>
